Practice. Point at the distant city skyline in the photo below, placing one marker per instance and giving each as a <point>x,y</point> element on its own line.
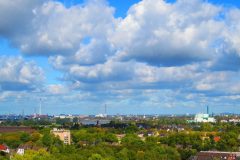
<point>136,57</point>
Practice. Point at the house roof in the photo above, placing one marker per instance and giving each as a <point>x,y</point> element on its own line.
<point>3,147</point>
<point>217,139</point>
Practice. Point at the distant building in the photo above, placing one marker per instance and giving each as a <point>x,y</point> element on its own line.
<point>234,120</point>
<point>212,155</point>
<point>203,118</point>
<point>230,121</point>
<point>101,115</point>
<point>64,135</point>
<point>28,146</point>
<point>224,121</point>
<point>20,151</point>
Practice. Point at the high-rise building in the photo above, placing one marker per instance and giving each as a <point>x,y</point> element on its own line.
<point>64,135</point>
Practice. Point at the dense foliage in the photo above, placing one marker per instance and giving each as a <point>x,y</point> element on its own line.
<point>144,140</point>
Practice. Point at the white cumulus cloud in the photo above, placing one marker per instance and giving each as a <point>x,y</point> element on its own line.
<point>17,74</point>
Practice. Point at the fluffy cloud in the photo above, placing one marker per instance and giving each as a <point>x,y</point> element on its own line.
<point>223,83</point>
<point>185,47</point>
<point>155,32</point>
<point>110,71</point>
<point>51,28</point>
<point>231,34</point>
<point>165,34</point>
<point>57,89</point>
<point>159,44</point>
<point>16,74</point>
<point>16,16</point>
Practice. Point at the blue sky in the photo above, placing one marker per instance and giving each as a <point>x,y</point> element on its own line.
<point>138,57</point>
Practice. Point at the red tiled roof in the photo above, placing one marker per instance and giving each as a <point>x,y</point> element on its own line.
<point>2,147</point>
<point>217,139</point>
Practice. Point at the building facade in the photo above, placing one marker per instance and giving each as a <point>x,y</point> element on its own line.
<point>212,155</point>
<point>64,135</point>
<point>204,118</point>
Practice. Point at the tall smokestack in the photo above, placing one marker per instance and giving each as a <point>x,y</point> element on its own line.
<point>105,109</point>
<point>207,110</point>
<point>40,107</point>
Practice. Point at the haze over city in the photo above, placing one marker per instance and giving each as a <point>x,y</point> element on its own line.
<point>136,57</point>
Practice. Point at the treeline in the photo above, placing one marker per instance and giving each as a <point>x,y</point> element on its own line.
<point>88,144</point>
<point>131,140</point>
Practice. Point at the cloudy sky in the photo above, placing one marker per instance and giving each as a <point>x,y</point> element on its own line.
<point>137,57</point>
